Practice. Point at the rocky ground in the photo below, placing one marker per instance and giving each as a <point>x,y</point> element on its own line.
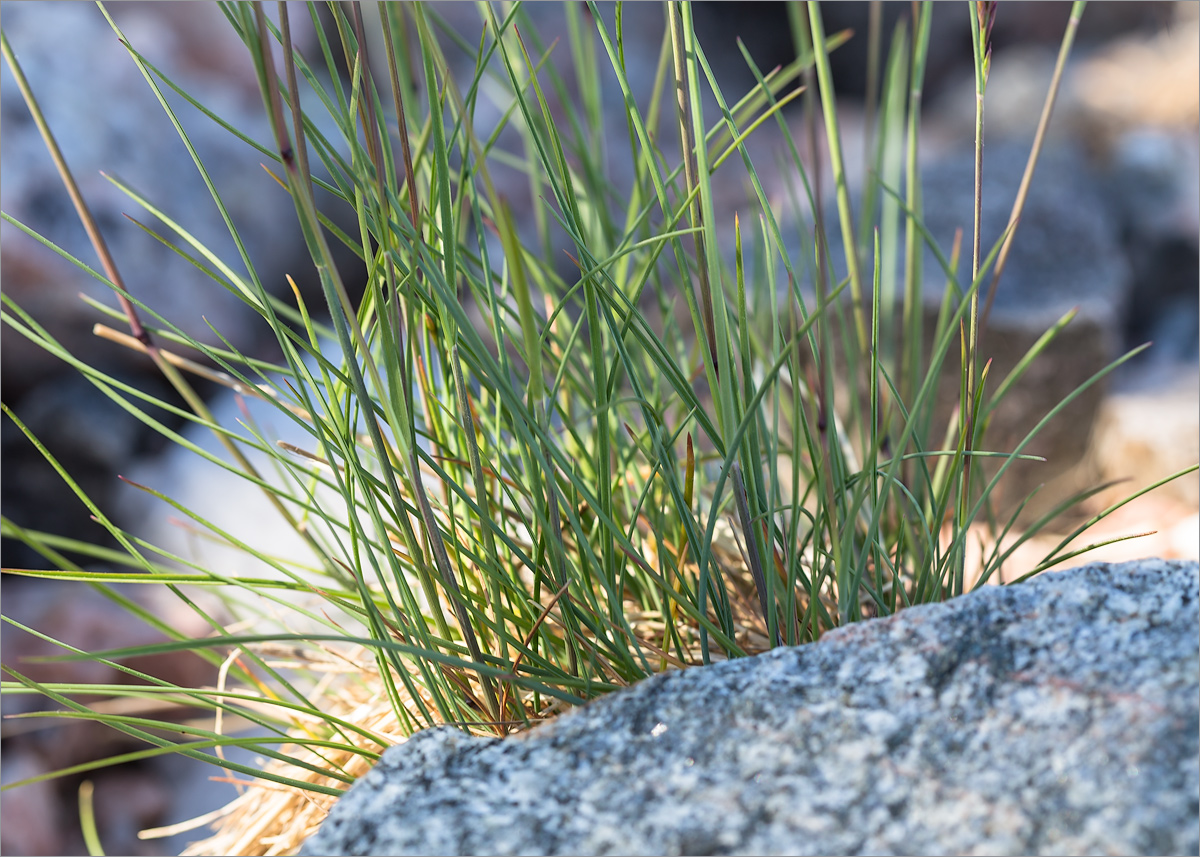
<point>1130,187</point>
<point>1054,718</point>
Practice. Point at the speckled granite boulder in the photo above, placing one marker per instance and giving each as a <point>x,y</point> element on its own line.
<point>1054,717</point>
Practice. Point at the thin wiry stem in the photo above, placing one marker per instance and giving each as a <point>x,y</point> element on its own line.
<point>1039,137</point>
<point>81,206</point>
<point>684,104</point>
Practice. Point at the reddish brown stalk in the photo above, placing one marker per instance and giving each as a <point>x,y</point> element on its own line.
<point>289,62</point>
<point>136,328</point>
<point>405,147</point>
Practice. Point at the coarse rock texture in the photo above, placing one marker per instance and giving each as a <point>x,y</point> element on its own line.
<point>1055,717</point>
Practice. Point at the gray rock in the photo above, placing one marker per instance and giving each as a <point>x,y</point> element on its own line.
<point>1150,428</point>
<point>33,825</point>
<point>1055,717</point>
<point>1154,182</point>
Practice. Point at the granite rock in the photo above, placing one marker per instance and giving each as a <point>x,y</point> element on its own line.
<point>1055,717</point>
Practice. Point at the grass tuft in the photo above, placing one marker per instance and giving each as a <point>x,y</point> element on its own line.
<point>529,477</point>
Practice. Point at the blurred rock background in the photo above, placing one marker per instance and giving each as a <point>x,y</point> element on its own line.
<point>1122,169</point>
